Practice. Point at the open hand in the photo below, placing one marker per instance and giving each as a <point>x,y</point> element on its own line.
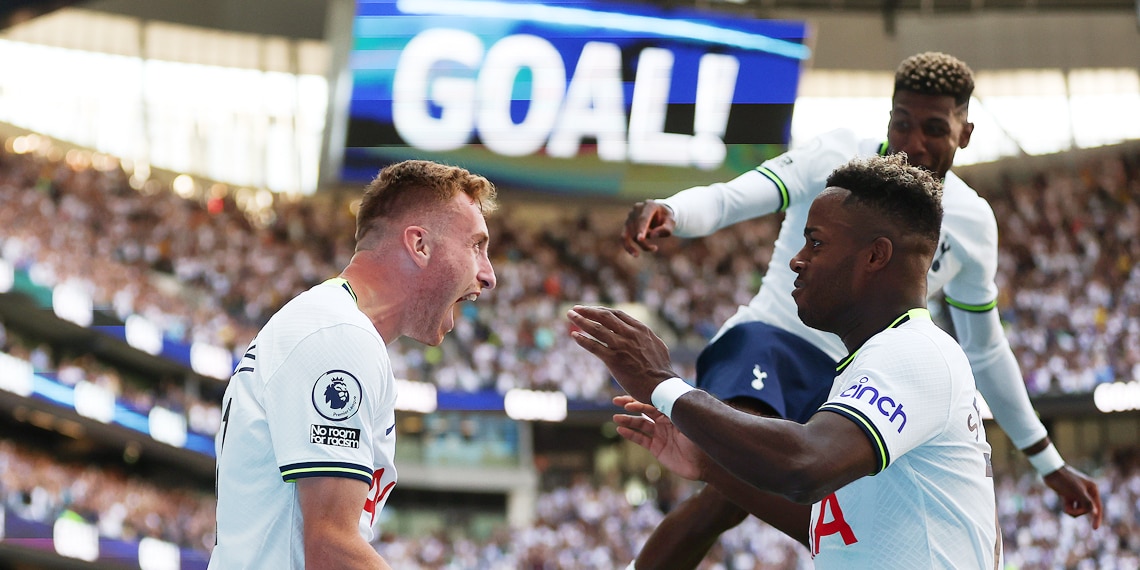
<point>652,430</point>
<point>636,357</point>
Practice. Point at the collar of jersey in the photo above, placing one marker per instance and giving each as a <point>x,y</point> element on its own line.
<point>911,314</point>
<point>341,281</point>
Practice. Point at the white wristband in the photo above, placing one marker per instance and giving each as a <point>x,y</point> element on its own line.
<point>666,394</point>
<point>1045,461</point>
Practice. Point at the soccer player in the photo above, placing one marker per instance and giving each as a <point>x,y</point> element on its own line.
<point>895,464</point>
<point>753,360</point>
<point>306,448</point>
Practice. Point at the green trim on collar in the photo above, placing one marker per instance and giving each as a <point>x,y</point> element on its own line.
<point>917,313</point>
<point>346,285</point>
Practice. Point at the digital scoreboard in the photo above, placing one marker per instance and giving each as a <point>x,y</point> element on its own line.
<point>578,97</point>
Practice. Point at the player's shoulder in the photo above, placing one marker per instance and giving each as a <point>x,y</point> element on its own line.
<point>324,307</point>
<point>818,156</point>
<point>916,339</point>
<point>323,302</point>
<point>966,214</point>
<point>960,196</point>
<point>842,145</point>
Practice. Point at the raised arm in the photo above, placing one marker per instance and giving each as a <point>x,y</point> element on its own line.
<point>999,380</point>
<point>330,509</point>
<point>700,211</point>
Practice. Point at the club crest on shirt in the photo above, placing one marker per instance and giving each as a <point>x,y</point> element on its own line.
<point>336,395</point>
<point>758,377</point>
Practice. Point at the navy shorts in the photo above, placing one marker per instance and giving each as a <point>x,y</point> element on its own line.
<point>768,364</point>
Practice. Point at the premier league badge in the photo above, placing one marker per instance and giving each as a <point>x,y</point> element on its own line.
<point>336,395</point>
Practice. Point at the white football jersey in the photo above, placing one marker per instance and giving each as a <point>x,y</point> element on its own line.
<point>314,396</point>
<point>964,266</point>
<point>930,503</point>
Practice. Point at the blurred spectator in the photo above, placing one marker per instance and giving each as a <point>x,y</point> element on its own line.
<point>585,524</point>
<point>1068,242</point>
<point>1070,292</point>
<point>39,487</point>
<point>212,275</point>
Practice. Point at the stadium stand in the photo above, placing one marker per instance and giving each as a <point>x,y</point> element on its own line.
<point>1067,270</point>
<point>228,275</point>
<point>205,270</point>
<point>1064,229</point>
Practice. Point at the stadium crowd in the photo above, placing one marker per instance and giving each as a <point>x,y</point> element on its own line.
<point>201,270</point>
<point>584,525</point>
<point>37,486</point>
<point>206,273</point>
<point>70,366</point>
<point>1069,274</point>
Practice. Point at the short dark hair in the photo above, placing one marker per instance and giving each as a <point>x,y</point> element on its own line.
<point>934,73</point>
<point>414,184</point>
<point>909,197</point>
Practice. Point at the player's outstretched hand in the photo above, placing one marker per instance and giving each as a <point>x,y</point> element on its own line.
<point>636,357</point>
<point>652,430</point>
<point>646,221</point>
<point>1078,493</point>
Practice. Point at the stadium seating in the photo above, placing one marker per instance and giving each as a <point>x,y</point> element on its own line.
<point>204,272</point>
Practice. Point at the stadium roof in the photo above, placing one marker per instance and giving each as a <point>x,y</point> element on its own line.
<point>306,18</point>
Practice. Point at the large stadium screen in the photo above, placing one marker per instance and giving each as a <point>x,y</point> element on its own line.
<point>569,96</point>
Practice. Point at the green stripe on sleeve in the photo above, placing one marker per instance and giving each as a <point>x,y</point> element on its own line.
<point>785,199</point>
<point>971,308</point>
<point>293,474</point>
<point>881,454</point>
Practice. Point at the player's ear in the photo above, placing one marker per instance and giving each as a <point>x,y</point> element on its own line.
<point>416,244</point>
<point>879,253</point>
<point>964,136</point>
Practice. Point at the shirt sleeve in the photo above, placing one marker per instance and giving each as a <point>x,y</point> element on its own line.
<point>973,286</point>
<point>702,210</point>
<point>801,173</point>
<point>972,294</point>
<point>997,375</point>
<point>772,187</point>
<point>321,405</point>
<point>898,392</point>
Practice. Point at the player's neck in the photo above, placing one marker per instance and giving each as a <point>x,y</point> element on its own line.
<point>375,294</point>
<point>877,317</point>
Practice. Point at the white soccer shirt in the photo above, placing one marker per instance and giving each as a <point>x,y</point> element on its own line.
<point>314,396</point>
<point>930,503</point>
<point>964,266</point>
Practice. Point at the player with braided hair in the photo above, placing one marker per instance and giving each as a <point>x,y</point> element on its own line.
<point>764,359</point>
